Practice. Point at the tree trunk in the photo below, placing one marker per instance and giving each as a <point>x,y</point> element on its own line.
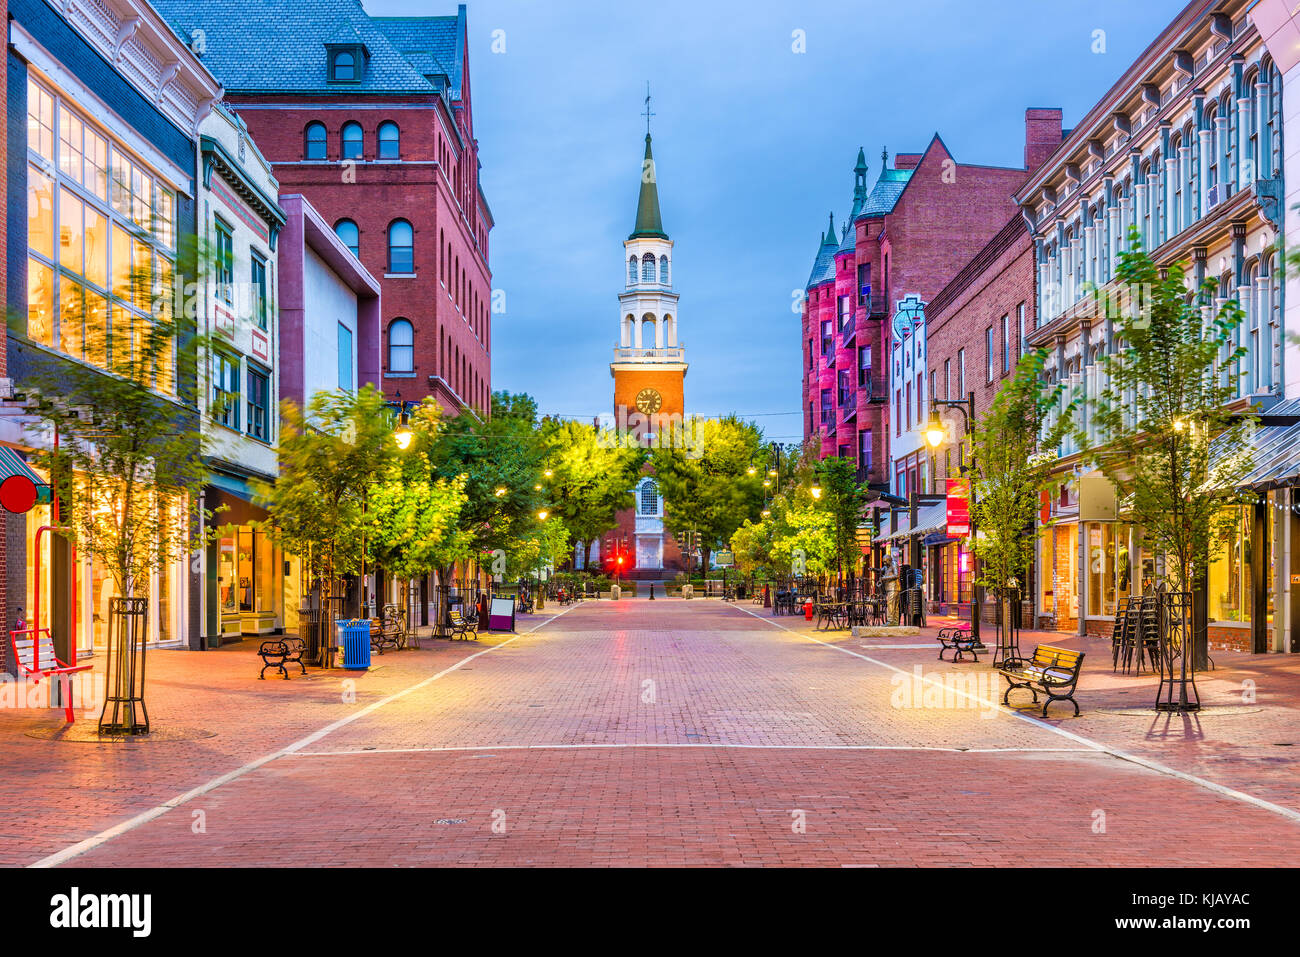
<point>586,555</point>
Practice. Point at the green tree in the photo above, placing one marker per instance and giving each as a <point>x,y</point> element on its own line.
<point>1014,451</point>
<point>412,515</point>
<point>501,462</point>
<point>1170,437</point>
<point>591,478</point>
<point>330,459</point>
<point>706,483</point>
<point>844,499</point>
<point>120,436</point>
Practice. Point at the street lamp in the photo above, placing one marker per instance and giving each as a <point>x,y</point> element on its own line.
<point>403,434</point>
<point>816,490</point>
<point>934,436</point>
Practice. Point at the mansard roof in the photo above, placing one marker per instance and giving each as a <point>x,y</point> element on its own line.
<point>278,46</point>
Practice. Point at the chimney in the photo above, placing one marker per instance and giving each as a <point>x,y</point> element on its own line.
<point>1043,134</point>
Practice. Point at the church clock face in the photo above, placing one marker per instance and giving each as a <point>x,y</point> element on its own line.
<point>649,401</point>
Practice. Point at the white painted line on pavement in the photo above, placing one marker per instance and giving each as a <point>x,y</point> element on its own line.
<point>117,830</point>
<point>1147,763</point>
<point>649,744</point>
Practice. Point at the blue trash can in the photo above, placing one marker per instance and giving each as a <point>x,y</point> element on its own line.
<point>354,639</point>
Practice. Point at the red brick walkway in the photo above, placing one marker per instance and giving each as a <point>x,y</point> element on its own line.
<point>672,732</point>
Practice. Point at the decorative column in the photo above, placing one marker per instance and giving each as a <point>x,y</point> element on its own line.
<point>1203,136</point>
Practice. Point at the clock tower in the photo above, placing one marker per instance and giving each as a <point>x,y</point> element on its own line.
<point>649,370</point>
<point>649,363</point>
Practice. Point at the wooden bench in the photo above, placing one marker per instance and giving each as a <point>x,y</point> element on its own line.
<point>392,631</point>
<point>462,627</point>
<point>959,639</point>
<point>34,651</point>
<point>1051,670</point>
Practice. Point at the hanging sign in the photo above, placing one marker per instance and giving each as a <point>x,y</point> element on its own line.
<point>958,508</point>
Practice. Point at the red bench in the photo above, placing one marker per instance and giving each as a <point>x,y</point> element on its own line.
<point>34,651</point>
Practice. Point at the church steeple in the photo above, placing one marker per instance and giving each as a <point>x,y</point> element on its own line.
<point>649,223</point>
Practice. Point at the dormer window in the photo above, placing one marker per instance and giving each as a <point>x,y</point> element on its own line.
<point>347,62</point>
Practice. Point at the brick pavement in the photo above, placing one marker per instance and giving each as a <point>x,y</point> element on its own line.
<point>668,733</point>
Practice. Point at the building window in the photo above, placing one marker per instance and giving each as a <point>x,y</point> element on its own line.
<point>898,411</point>
<point>258,282</point>
<point>988,354</point>
<point>345,65</point>
<point>663,270</point>
<point>828,336</point>
<point>864,284</point>
<point>1006,344</point>
<point>390,141</point>
<point>631,270</point>
<point>846,311</point>
<point>920,397</point>
<point>647,268</point>
<point>947,378</point>
<point>961,373</point>
<point>649,499</point>
<point>864,366</point>
<point>845,387</point>
<point>907,393</point>
<point>225,262</point>
<point>100,236</point>
<point>864,450</point>
<point>225,390</point>
<point>315,147</point>
<point>345,358</point>
<point>347,231</point>
<point>1021,331</point>
<point>353,141</point>
<point>401,247</point>
<point>258,390</point>
<point>401,346</point>
<point>828,408</point>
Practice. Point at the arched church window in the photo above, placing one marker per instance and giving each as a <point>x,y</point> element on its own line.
<point>649,498</point>
<point>631,269</point>
<point>663,270</point>
<point>648,268</point>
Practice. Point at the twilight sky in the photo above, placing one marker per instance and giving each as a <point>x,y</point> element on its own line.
<point>754,145</point>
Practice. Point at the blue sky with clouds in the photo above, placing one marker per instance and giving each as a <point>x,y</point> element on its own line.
<point>754,144</point>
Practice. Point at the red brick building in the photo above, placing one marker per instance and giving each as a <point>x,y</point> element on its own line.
<point>977,328</point>
<point>925,218</point>
<point>370,118</point>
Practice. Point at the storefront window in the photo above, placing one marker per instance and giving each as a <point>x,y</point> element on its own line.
<point>1058,571</point>
<point>1230,588</point>
<point>1109,568</point>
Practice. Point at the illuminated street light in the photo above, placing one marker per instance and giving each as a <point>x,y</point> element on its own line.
<point>934,432</point>
<point>816,491</point>
<point>542,514</point>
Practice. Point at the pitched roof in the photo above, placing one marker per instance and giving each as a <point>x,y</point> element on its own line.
<point>889,186</point>
<point>278,46</point>
<point>824,265</point>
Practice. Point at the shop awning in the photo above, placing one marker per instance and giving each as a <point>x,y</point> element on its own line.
<point>1275,451</point>
<point>929,518</point>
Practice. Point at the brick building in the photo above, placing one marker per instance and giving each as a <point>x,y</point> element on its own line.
<point>1188,147</point>
<point>103,161</point>
<point>977,328</point>
<point>370,118</point>
<point>904,239</point>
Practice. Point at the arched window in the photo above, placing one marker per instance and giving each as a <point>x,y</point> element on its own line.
<point>648,268</point>
<point>401,247</point>
<point>631,270</point>
<point>649,498</point>
<point>401,346</point>
<point>663,270</point>
<point>347,231</point>
<point>315,144</point>
<point>352,141</point>
<point>390,141</point>
<point>345,66</point>
<point>628,325</point>
<point>648,331</point>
